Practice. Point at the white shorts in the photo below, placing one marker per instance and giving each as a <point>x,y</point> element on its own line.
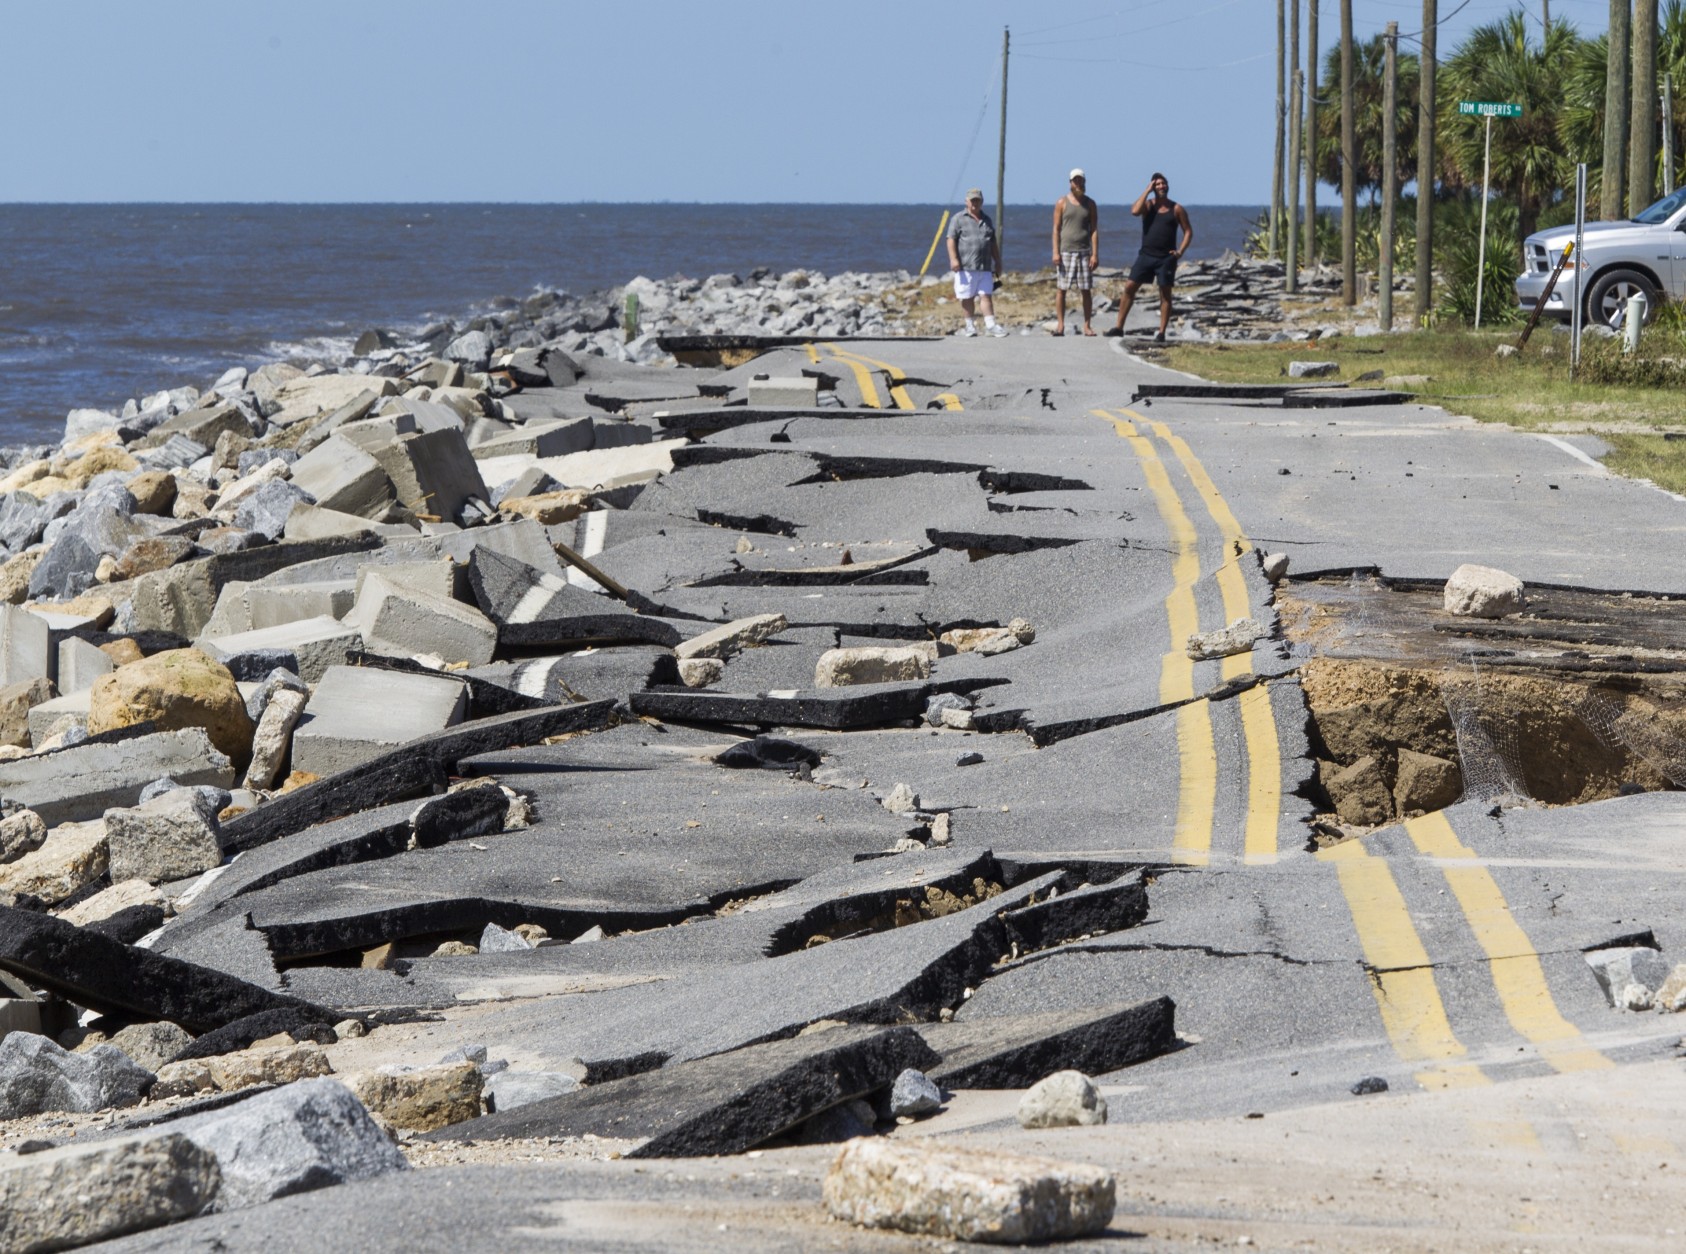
<point>970,283</point>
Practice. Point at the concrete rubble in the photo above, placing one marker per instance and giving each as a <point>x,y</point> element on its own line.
<point>688,746</point>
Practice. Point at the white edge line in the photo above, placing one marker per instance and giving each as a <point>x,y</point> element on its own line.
<point>1578,454</point>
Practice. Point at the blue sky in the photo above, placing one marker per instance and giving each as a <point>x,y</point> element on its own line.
<point>724,100</point>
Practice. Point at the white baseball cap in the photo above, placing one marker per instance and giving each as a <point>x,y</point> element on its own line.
<point>1077,174</point>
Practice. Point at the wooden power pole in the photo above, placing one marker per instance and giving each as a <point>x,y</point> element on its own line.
<point>1545,21</point>
<point>1001,152</point>
<point>1291,282</point>
<point>1642,121</point>
<point>1281,108</point>
<point>1426,164</point>
<point>1311,133</point>
<point>1612,174</point>
<point>1390,174</point>
<point>1349,157</point>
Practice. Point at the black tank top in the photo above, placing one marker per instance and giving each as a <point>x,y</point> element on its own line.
<point>1159,230</point>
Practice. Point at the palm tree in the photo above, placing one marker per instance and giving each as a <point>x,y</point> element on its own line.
<point>1497,62</point>
<point>1580,120</point>
<point>1369,61</point>
<point>1671,58</point>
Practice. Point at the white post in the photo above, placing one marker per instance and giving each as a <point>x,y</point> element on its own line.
<point>1580,233</point>
<point>1481,251</point>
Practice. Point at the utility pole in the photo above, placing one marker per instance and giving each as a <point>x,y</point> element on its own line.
<point>1291,282</point>
<point>1311,133</point>
<point>1276,166</point>
<point>1545,21</point>
<point>1642,122</point>
<point>1390,173</point>
<point>1425,164</point>
<point>1613,170</point>
<point>1001,152</point>
<point>1349,180</point>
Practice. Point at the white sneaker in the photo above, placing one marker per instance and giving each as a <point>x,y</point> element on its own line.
<point>998,330</point>
<point>967,332</point>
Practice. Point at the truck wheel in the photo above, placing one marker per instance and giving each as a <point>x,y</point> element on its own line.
<point>1607,300</point>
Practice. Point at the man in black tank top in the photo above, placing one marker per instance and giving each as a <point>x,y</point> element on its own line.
<point>1162,219</point>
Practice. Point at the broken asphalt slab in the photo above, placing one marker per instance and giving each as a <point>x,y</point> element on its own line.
<point>723,1104</point>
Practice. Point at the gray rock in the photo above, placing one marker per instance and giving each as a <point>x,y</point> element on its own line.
<point>472,350</point>
<point>475,1053</point>
<point>1238,637</point>
<point>167,838</point>
<point>1066,1099</point>
<point>1368,1085</point>
<point>497,940</point>
<point>277,678</point>
<point>99,527</point>
<point>935,706</point>
<point>84,422</point>
<point>306,1136</point>
<point>1274,566</point>
<point>23,517</point>
<point>265,511</point>
<point>77,1194</point>
<point>902,800</point>
<point>151,1045</point>
<point>253,458</point>
<point>1619,970</point>
<point>1313,369</point>
<point>38,1075</point>
<point>510,1090</point>
<point>176,453</point>
<point>914,1094</point>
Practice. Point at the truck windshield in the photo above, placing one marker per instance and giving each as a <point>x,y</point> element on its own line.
<point>1663,210</point>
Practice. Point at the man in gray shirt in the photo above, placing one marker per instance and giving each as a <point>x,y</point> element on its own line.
<point>974,254</point>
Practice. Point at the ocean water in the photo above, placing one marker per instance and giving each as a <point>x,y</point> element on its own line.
<point>99,303</point>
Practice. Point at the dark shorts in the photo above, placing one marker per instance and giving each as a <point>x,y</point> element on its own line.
<point>1162,270</point>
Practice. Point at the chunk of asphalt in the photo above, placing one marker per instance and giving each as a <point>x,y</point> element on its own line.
<point>723,1104</point>
<point>412,770</point>
<point>864,705</point>
<point>130,924</point>
<point>534,609</point>
<point>602,673</point>
<point>1087,911</point>
<point>767,752</point>
<point>301,1025</point>
<point>1014,1051</point>
<point>113,978</point>
<point>897,976</point>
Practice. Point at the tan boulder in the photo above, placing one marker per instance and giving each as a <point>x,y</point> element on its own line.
<point>175,689</point>
<point>152,553</point>
<point>16,700</point>
<point>154,491</point>
<point>548,508</point>
<point>423,1099</point>
<point>1360,794</point>
<point>73,856</point>
<point>122,651</point>
<point>14,576</point>
<point>268,1066</point>
<point>25,475</point>
<point>97,462</point>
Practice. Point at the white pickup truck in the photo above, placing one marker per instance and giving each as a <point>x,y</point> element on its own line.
<point>1646,255</point>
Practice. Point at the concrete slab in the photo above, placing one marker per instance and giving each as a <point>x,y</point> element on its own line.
<point>84,781</point>
<point>356,714</point>
<point>317,644</point>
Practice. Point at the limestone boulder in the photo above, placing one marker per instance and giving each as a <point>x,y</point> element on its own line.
<point>16,701</point>
<point>423,1099</point>
<point>966,1194</point>
<point>73,856</point>
<point>176,689</point>
<point>1483,592</point>
<point>839,668</point>
<point>1066,1099</point>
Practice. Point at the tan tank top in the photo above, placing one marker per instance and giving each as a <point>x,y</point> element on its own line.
<point>1075,227</point>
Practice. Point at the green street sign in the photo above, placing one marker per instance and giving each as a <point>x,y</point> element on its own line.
<point>1489,109</point>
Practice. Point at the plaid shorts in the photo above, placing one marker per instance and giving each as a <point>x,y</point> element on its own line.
<point>1074,272</point>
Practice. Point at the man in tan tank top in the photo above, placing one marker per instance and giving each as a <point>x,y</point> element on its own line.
<point>1077,243</point>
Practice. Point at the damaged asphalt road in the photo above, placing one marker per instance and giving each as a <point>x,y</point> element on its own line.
<point>1088,851</point>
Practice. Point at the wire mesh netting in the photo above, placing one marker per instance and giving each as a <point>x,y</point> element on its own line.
<point>1489,748</point>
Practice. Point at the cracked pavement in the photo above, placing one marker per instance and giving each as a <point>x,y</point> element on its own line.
<point>971,483</point>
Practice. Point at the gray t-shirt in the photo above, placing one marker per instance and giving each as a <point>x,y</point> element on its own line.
<point>974,240</point>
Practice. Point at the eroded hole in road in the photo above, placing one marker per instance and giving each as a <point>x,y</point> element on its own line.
<point>1579,698</point>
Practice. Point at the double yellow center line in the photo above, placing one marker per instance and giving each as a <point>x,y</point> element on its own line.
<point>1197,788</point>
<point>1402,975</point>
